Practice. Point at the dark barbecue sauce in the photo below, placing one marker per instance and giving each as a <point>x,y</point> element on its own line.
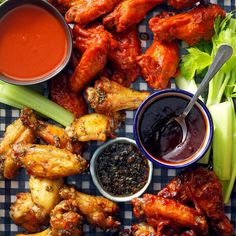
<point>160,139</point>
<point>121,169</point>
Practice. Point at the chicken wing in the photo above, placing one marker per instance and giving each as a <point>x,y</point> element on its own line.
<point>143,229</point>
<point>191,26</point>
<point>156,207</point>
<point>65,219</point>
<point>45,192</point>
<point>83,12</point>
<point>27,214</point>
<point>46,232</point>
<point>182,4</point>
<point>123,58</point>
<point>48,161</point>
<point>49,133</point>
<point>108,97</point>
<point>15,133</point>
<point>128,13</point>
<point>92,62</point>
<point>93,127</point>
<point>98,211</point>
<point>61,94</point>
<point>159,63</point>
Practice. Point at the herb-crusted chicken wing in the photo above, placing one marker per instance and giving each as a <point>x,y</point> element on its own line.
<point>156,208</point>
<point>109,97</point>
<point>83,12</point>
<point>128,13</point>
<point>98,211</point>
<point>48,161</point>
<point>191,26</point>
<point>159,63</point>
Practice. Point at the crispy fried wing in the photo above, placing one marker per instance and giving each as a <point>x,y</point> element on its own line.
<point>159,63</point>
<point>128,13</point>
<point>157,207</point>
<point>46,232</point>
<point>15,133</point>
<point>98,211</point>
<point>191,26</point>
<point>108,97</point>
<point>49,133</point>
<point>45,192</point>
<point>123,58</point>
<point>83,12</point>
<point>94,127</point>
<point>143,229</point>
<point>182,4</point>
<point>27,214</point>
<point>61,94</point>
<point>48,161</point>
<point>92,62</point>
<point>65,219</point>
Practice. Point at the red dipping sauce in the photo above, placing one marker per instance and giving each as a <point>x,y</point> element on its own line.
<point>33,43</point>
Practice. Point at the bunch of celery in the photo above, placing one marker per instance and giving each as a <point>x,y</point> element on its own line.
<point>20,96</point>
<point>219,99</point>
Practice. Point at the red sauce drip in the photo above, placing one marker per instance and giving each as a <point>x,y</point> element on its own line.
<point>32,43</point>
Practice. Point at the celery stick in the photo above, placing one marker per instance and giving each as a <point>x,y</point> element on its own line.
<point>28,98</point>
<point>222,115</point>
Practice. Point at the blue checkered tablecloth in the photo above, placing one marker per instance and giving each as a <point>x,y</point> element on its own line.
<point>9,189</point>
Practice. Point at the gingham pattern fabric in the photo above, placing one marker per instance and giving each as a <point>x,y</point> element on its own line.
<point>9,189</point>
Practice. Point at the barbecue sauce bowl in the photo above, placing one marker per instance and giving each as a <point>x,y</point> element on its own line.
<point>151,119</point>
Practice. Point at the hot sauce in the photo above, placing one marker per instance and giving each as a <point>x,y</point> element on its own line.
<point>32,43</point>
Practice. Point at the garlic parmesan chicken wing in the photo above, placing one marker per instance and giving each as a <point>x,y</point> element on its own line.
<point>97,211</point>
<point>65,219</point>
<point>49,133</point>
<point>27,214</point>
<point>123,58</point>
<point>182,4</point>
<point>48,161</point>
<point>128,13</point>
<point>156,208</point>
<point>83,12</point>
<point>15,133</point>
<point>159,63</point>
<point>191,26</point>
<point>61,93</point>
<point>108,97</point>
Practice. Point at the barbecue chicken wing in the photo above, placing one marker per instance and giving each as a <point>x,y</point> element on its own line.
<point>93,127</point>
<point>27,214</point>
<point>83,12</point>
<point>182,4</point>
<point>15,133</point>
<point>65,219</point>
<point>45,192</point>
<point>123,58</point>
<point>128,13</point>
<point>61,94</point>
<point>108,97</point>
<point>98,211</point>
<point>49,133</point>
<point>191,26</point>
<point>48,161</point>
<point>159,63</point>
<point>155,208</point>
<point>46,232</point>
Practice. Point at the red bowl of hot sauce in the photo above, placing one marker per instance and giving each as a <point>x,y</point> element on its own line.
<point>35,42</point>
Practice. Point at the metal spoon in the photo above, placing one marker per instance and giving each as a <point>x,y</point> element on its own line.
<point>223,54</point>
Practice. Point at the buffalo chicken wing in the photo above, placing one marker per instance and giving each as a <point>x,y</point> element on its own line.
<point>159,64</point>
<point>98,211</point>
<point>108,97</point>
<point>182,4</point>
<point>128,13</point>
<point>191,26</point>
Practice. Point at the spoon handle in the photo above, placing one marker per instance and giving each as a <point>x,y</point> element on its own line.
<point>223,54</point>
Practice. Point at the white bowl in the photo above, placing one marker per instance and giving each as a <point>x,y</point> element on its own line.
<point>98,185</point>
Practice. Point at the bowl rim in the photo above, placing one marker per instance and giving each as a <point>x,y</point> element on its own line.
<point>192,160</point>
<point>98,185</point>
<point>11,4</point>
